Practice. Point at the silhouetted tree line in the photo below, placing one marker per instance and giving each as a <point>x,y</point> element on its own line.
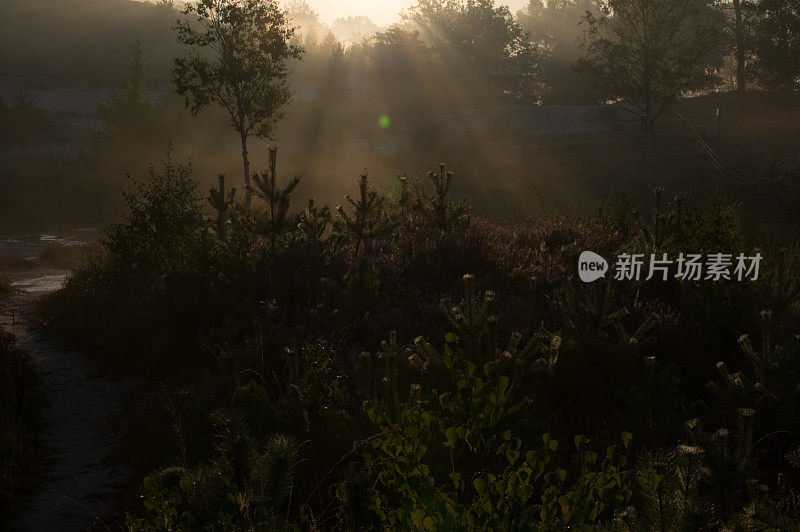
<point>449,54</point>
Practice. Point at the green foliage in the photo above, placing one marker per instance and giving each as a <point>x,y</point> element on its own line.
<point>708,482</point>
<point>275,220</point>
<point>709,227</point>
<point>445,212</point>
<point>646,53</point>
<point>238,62</point>
<point>163,222</point>
<point>450,459</point>
<point>785,173</point>
<point>313,223</point>
<point>312,240</point>
<point>669,486</point>
<point>448,435</point>
<point>485,41</point>
<point>21,118</point>
<point>405,200</point>
<point>369,217</point>
<point>555,28</point>
<point>222,201</point>
<point>245,486</point>
<point>772,384</point>
<point>664,228</point>
<point>727,458</point>
<point>762,513</point>
<point>776,43</point>
<point>151,279</point>
<point>250,42</point>
<point>622,216</point>
<point>783,282</point>
<point>595,330</point>
<point>315,393</point>
<point>129,115</point>
<point>654,397</point>
<point>725,308</point>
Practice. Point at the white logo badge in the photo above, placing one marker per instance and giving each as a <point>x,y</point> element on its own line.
<point>591,266</point>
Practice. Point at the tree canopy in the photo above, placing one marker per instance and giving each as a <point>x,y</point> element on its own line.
<point>647,53</point>
<point>485,41</point>
<point>776,43</point>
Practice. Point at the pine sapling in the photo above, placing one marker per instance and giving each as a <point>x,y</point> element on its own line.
<point>222,200</point>
<point>368,218</point>
<point>664,227</point>
<point>406,203</point>
<point>277,199</point>
<point>312,224</point>
<point>446,213</point>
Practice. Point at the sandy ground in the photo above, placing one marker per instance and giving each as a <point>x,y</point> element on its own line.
<point>82,432</point>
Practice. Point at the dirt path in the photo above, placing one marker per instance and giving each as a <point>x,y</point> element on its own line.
<point>81,431</point>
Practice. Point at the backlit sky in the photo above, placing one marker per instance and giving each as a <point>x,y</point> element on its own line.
<point>382,12</point>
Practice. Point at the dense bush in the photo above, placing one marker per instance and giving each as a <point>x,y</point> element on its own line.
<point>453,458</point>
<point>264,321</point>
<point>153,274</point>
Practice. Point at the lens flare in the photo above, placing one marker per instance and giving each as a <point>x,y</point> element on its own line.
<point>384,122</point>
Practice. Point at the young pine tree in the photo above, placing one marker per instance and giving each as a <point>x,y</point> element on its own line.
<point>275,219</point>
<point>369,218</point>
<point>222,200</point>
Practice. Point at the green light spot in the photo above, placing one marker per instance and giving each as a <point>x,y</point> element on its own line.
<point>384,122</point>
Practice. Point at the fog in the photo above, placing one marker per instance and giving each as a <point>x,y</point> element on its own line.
<point>363,265</point>
<point>546,142</point>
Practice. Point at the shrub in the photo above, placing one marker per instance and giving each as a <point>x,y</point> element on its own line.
<point>5,284</point>
<point>150,281</point>
<point>244,487</point>
<point>21,404</point>
<point>451,458</point>
<point>22,119</point>
<point>459,434</point>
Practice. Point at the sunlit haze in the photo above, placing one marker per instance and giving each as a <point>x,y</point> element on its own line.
<point>382,12</point>
<point>399,264</point>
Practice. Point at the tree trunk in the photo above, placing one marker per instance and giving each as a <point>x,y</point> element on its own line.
<point>648,124</point>
<point>247,189</point>
<point>273,155</point>
<point>741,82</point>
<point>222,227</point>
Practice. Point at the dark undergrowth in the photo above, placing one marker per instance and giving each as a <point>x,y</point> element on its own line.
<point>21,403</point>
<point>5,284</point>
<point>349,368</point>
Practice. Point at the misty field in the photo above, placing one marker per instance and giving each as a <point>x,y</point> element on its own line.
<point>262,268</point>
